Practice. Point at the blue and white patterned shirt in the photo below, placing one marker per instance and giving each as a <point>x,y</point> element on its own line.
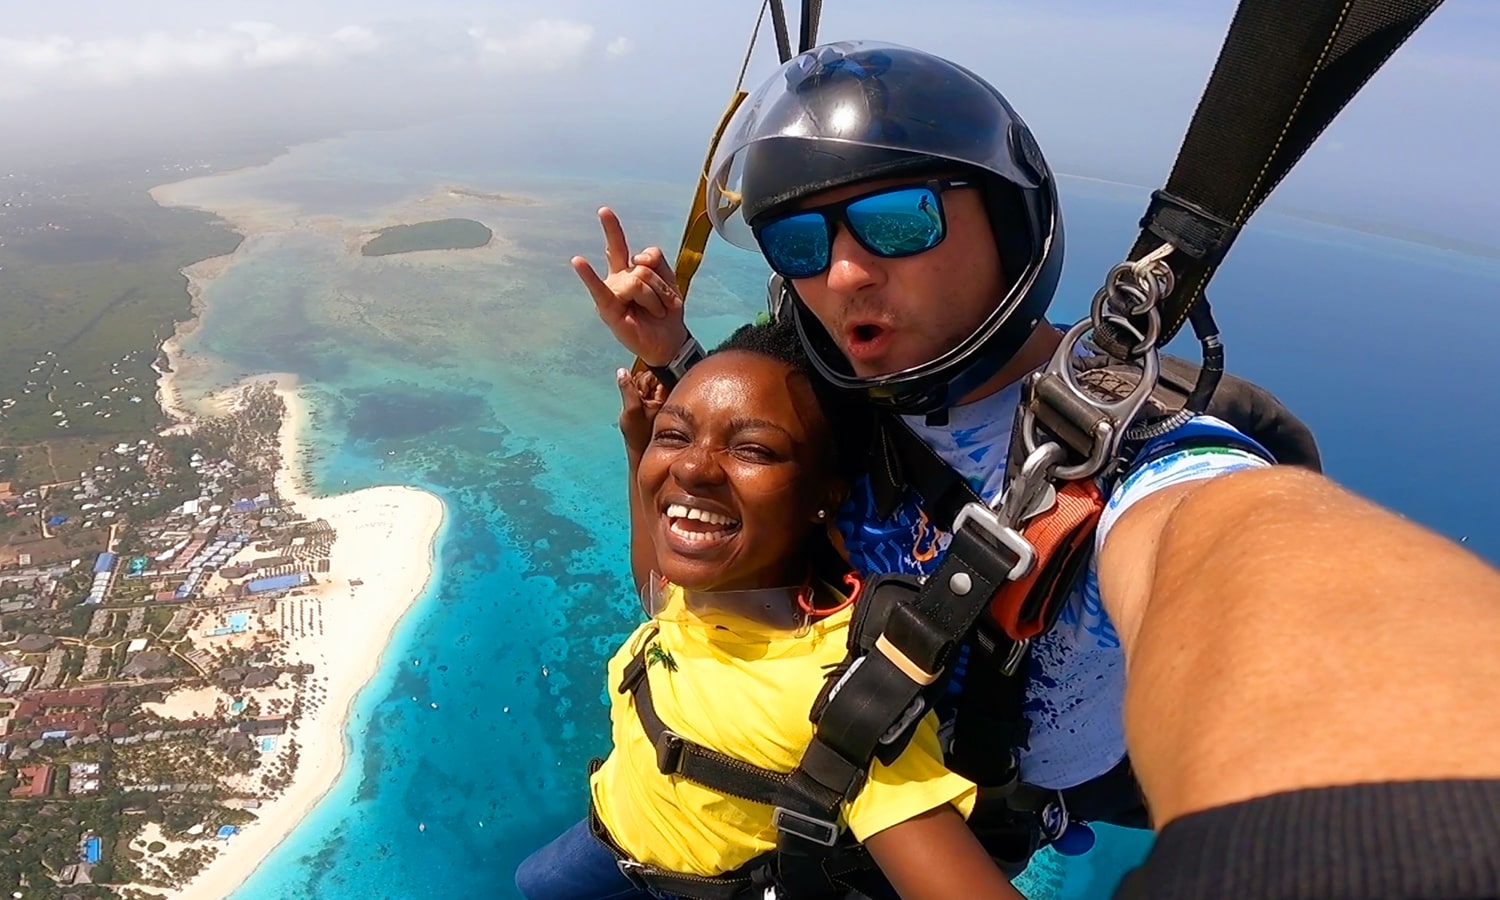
<point>1076,684</point>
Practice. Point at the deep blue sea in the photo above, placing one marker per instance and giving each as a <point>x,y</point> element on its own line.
<point>487,379</point>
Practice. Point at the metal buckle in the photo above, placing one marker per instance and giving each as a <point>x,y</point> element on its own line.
<point>913,711</point>
<point>1117,414</point>
<point>669,751</point>
<point>992,524</point>
<point>1054,818</point>
<point>632,872</point>
<point>1014,657</point>
<point>819,831</point>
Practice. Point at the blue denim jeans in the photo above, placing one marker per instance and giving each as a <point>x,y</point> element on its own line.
<point>575,866</point>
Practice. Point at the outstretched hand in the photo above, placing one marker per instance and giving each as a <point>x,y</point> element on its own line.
<point>641,398</point>
<point>639,299</point>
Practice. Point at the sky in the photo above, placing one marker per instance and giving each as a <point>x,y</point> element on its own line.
<point>1108,85</point>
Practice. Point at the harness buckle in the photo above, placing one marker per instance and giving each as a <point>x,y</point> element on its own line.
<point>990,522</point>
<point>1015,656</point>
<point>818,831</point>
<point>1098,423</point>
<point>632,872</point>
<point>669,752</point>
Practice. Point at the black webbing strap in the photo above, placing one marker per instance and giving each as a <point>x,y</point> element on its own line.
<point>812,11</point>
<point>990,723</point>
<point>728,886</point>
<point>874,708</point>
<point>778,25</point>
<point>990,719</point>
<point>676,755</point>
<point>1286,69</point>
<point>943,491</point>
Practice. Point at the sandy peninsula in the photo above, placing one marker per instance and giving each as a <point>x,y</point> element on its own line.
<point>380,562</point>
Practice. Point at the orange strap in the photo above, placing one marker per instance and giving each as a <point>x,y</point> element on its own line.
<point>1057,534</point>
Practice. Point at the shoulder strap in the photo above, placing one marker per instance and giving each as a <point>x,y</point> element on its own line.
<point>811,860</point>
<point>676,755</point>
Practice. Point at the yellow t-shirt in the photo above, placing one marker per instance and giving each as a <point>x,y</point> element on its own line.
<point>749,698</point>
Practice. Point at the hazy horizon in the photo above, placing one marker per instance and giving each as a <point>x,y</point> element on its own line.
<point>1108,91</point>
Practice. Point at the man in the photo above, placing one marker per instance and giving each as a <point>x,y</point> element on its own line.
<point>916,224</point>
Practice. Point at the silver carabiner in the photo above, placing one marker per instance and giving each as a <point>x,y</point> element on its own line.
<point>1024,490</point>
<point>1117,414</point>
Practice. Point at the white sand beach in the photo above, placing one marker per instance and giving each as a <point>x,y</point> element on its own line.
<point>380,563</point>
<point>198,275</point>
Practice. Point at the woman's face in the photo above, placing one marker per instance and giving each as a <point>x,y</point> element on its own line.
<point>735,474</point>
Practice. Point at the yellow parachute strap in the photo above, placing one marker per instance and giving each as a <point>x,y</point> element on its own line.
<point>695,233</point>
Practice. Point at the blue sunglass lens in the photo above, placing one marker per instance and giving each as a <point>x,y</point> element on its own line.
<point>797,246</point>
<point>897,223</point>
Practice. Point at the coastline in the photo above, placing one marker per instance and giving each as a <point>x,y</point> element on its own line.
<point>359,602</point>
<point>198,275</point>
<point>380,563</point>
<point>366,592</point>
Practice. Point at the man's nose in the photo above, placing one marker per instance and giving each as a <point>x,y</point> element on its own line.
<point>852,268</point>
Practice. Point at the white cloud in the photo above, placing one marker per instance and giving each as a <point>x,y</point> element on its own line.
<point>618,47</point>
<point>543,45</point>
<point>29,64</point>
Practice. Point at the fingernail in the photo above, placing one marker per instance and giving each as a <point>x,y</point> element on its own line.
<point>622,376</point>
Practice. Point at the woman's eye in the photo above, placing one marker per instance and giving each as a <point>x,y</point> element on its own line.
<point>669,438</point>
<point>754,452</point>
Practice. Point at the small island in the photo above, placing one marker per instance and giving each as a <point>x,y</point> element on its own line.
<point>439,234</point>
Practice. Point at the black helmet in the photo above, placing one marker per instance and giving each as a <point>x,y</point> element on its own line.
<point>858,110</point>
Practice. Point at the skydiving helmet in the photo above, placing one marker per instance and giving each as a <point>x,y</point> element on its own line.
<point>858,110</point>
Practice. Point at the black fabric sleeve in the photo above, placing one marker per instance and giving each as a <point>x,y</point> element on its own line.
<point>1391,841</point>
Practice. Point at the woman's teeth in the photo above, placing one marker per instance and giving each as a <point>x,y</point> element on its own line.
<point>698,525</point>
<point>678,511</point>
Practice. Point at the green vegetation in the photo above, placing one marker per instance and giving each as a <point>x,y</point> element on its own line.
<point>91,287</point>
<point>441,234</point>
<point>42,837</point>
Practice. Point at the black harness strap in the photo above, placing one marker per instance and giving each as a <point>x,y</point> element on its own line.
<point>1286,70</point>
<point>943,491</point>
<point>899,666</point>
<point>812,859</point>
<point>674,884</point>
<point>676,755</point>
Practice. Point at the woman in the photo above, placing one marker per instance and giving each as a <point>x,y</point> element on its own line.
<point>739,471</point>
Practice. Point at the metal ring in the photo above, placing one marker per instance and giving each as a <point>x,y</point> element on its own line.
<point>1166,279</point>
<point>1148,282</point>
<point>1147,339</point>
<point>1145,302</point>
<point>1099,315</point>
<point>1163,279</point>
<point>1118,414</point>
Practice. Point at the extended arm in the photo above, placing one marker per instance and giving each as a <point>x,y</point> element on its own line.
<point>935,855</point>
<point>1282,633</point>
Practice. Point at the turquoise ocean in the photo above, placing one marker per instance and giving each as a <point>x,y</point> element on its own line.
<point>486,378</point>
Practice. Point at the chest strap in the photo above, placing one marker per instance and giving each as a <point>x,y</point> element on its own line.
<point>677,756</point>
<point>825,864</point>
